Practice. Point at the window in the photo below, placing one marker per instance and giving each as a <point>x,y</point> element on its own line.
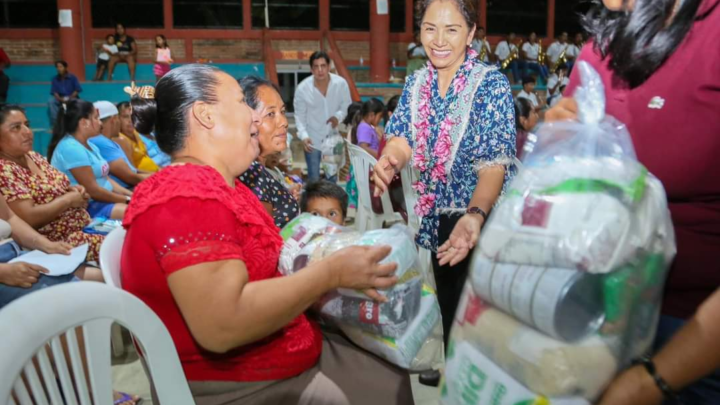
<point>28,14</point>
<point>354,15</point>
<point>131,13</point>
<point>350,15</point>
<point>568,14</point>
<point>207,13</point>
<point>397,15</point>
<point>287,14</point>
<point>519,16</point>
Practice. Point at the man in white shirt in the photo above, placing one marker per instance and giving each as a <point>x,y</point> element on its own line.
<point>556,49</point>
<point>503,51</point>
<point>528,92</point>
<point>321,102</point>
<point>574,50</point>
<point>556,82</point>
<point>481,42</point>
<point>530,53</point>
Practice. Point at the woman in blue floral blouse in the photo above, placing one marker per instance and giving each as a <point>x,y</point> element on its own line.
<point>455,124</point>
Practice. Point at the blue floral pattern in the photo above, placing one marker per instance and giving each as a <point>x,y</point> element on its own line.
<point>489,139</point>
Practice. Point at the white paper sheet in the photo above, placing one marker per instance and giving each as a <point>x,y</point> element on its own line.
<point>382,7</point>
<point>58,265</point>
<point>65,18</point>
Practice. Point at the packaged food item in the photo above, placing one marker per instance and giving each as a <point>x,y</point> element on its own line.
<point>419,348</point>
<point>564,289</point>
<point>405,330</point>
<point>102,226</point>
<point>389,319</point>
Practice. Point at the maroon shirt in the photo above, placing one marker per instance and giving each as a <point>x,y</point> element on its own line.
<point>674,121</point>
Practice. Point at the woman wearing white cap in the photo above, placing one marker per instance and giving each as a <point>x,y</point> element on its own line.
<point>71,153</point>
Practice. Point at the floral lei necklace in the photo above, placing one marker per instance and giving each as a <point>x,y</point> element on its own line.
<point>422,159</point>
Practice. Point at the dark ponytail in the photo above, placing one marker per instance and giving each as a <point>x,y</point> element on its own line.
<point>144,114</point>
<point>638,42</point>
<point>372,106</point>
<point>68,121</point>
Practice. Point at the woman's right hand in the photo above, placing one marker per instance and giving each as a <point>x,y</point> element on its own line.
<point>20,274</point>
<point>383,173</point>
<point>359,268</point>
<point>77,199</point>
<point>565,110</point>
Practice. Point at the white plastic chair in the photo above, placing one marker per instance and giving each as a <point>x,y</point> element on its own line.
<point>110,254</point>
<point>367,219</point>
<point>32,327</point>
<point>409,175</point>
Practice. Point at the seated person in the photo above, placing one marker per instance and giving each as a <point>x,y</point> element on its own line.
<point>71,153</point>
<point>143,115</point>
<point>528,92</point>
<point>556,82</point>
<point>137,152</point>
<point>127,52</point>
<point>121,169</point>
<point>38,193</point>
<point>325,199</point>
<point>18,279</point>
<point>263,97</point>
<point>203,252</point>
<point>65,87</point>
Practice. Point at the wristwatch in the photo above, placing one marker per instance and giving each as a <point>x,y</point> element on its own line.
<point>477,210</point>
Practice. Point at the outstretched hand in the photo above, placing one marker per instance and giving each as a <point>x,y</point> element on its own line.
<point>462,240</point>
<point>383,173</point>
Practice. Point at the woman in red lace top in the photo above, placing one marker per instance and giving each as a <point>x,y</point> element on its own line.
<point>202,252</point>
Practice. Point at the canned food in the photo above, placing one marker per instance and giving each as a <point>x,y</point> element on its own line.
<point>565,304</point>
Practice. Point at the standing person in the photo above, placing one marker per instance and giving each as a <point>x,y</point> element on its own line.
<point>557,48</point>
<point>365,124</point>
<point>65,87</point>
<point>507,49</point>
<point>416,56</point>
<point>163,59</point>
<point>4,79</point>
<point>674,129</point>
<point>105,52</point>
<point>71,153</point>
<point>455,124</point>
<point>321,102</point>
<point>531,56</point>
<point>481,45</point>
<point>127,52</point>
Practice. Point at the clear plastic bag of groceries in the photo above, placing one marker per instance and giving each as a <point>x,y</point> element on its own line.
<point>565,286</point>
<point>333,153</point>
<point>403,330</point>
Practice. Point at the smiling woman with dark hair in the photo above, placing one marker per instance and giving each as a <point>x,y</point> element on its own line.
<point>203,253</point>
<point>658,60</point>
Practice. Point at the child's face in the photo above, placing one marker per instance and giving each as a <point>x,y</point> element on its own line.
<point>159,41</point>
<point>328,208</point>
<point>529,87</point>
<point>110,40</point>
<point>377,118</point>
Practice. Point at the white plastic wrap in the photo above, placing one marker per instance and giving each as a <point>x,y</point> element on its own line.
<point>333,153</point>
<point>405,330</point>
<point>565,286</point>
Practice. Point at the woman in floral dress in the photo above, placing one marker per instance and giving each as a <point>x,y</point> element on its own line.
<point>455,124</point>
<point>37,192</point>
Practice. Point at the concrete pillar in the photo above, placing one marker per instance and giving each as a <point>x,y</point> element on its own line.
<point>71,42</point>
<point>379,44</point>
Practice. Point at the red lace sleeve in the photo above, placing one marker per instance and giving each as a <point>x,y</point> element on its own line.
<point>187,231</point>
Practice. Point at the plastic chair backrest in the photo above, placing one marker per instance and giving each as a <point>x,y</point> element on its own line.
<point>34,330</point>
<point>110,254</point>
<point>362,165</point>
<point>408,176</point>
